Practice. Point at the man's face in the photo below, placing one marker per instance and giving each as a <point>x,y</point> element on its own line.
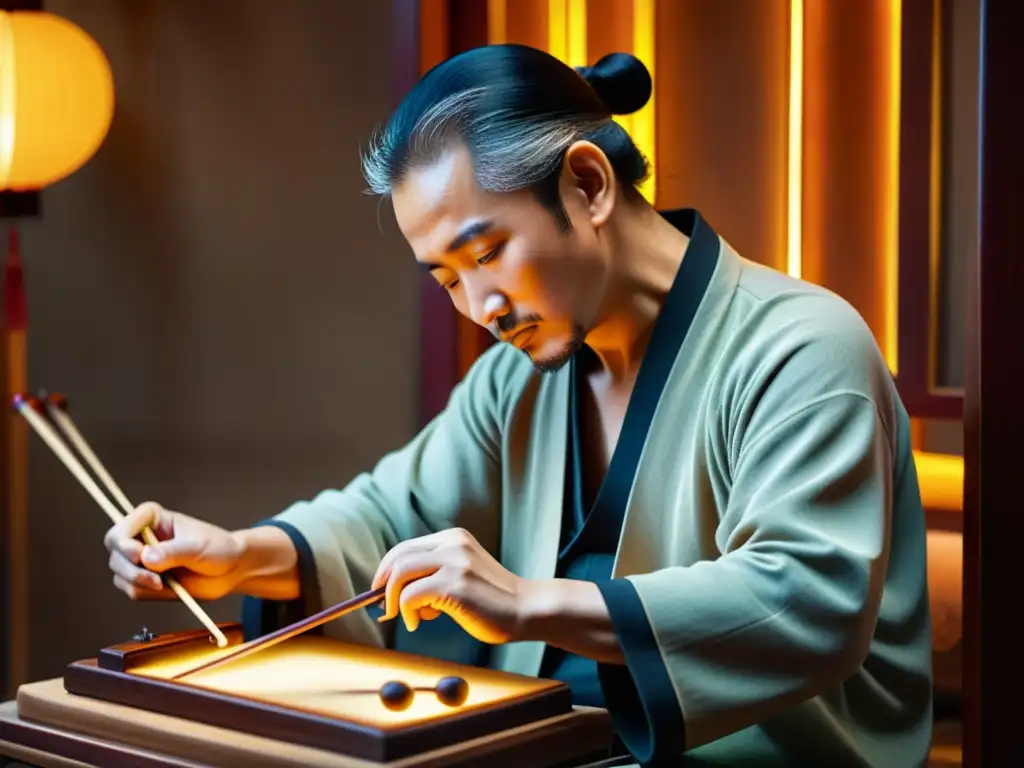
<point>503,259</point>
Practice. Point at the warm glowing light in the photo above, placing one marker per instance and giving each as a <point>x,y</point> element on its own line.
<point>567,31</point>
<point>576,33</point>
<point>558,29</point>
<point>497,22</point>
<point>941,479</point>
<point>318,674</point>
<point>56,99</point>
<point>567,41</point>
<point>794,258</point>
<point>891,203</point>
<point>643,121</point>
<point>935,199</point>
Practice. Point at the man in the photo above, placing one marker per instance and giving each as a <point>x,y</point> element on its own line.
<point>683,484</point>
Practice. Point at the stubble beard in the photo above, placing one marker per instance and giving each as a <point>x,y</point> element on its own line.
<point>556,362</point>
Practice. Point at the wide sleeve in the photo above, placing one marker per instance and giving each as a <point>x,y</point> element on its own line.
<point>448,476</point>
<point>788,609</point>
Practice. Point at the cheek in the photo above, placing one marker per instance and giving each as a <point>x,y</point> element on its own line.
<point>559,278</point>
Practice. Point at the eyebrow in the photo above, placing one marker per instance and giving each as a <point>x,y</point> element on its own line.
<point>466,235</point>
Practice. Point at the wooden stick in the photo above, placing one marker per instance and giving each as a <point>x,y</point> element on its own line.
<point>27,408</point>
<point>57,408</point>
<point>262,643</point>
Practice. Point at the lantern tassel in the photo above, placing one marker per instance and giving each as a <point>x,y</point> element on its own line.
<point>15,305</point>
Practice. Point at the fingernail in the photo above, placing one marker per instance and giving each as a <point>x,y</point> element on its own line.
<point>152,555</point>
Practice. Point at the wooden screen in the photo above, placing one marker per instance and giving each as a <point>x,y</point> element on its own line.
<point>810,133</point>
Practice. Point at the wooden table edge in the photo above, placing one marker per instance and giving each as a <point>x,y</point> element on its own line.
<point>55,731</point>
<point>49,747</point>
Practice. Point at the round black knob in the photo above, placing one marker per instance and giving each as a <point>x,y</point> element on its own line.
<point>452,691</point>
<point>396,696</point>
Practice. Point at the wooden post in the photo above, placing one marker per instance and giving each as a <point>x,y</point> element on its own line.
<point>14,499</point>
<point>993,415</point>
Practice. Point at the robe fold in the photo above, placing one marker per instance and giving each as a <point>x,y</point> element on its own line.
<point>758,539</point>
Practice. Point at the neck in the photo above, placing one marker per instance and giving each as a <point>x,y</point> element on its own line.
<point>646,253</point>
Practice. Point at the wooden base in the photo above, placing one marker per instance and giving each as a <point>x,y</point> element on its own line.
<point>74,730</point>
<point>316,692</point>
<point>87,679</point>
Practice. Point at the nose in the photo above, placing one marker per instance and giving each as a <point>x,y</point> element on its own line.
<point>486,308</point>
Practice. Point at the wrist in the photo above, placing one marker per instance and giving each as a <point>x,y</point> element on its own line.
<point>543,606</point>
<point>267,564</point>
<point>568,614</point>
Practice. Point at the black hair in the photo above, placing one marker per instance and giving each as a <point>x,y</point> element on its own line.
<point>517,109</point>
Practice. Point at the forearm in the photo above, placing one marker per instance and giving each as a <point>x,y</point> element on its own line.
<point>268,565</point>
<point>571,615</point>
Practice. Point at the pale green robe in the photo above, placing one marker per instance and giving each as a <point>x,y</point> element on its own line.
<point>773,550</point>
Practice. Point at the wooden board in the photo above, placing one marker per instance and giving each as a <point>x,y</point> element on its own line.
<point>50,720</point>
<point>315,691</point>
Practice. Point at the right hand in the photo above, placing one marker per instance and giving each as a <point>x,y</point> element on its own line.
<point>204,557</point>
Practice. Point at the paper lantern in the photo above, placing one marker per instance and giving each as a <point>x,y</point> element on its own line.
<point>56,99</point>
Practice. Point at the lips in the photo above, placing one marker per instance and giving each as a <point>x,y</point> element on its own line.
<point>522,338</point>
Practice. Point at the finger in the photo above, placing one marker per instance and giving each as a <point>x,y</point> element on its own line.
<point>159,520</point>
<point>420,596</point>
<point>130,549</point>
<point>405,571</point>
<point>402,550</point>
<point>123,535</point>
<point>116,538</point>
<point>175,553</point>
<point>135,592</point>
<point>132,574</point>
<point>202,587</point>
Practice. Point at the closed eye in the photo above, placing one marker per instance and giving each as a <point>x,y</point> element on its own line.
<point>491,254</point>
<point>487,257</point>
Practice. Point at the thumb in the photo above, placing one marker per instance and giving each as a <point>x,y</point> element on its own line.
<point>175,553</point>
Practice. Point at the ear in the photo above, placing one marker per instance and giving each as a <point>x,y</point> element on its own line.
<point>590,176</point>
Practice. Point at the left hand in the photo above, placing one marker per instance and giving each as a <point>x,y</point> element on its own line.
<point>450,572</point>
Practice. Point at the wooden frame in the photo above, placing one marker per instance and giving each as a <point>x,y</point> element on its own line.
<point>918,237</point>
<point>993,415</point>
<point>109,678</point>
<point>448,342</point>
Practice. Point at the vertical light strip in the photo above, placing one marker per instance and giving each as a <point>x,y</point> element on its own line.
<point>891,204</point>
<point>567,31</point>
<point>576,35</point>
<point>557,29</point>
<point>644,121</point>
<point>794,258</point>
<point>935,202</point>
<point>497,22</point>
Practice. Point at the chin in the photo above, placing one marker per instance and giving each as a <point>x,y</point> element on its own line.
<point>551,360</point>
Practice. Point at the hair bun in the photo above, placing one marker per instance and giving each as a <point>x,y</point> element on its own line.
<point>621,80</point>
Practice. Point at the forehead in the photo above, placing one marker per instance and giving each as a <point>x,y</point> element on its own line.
<point>436,201</point>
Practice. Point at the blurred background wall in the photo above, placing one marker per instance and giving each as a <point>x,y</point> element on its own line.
<point>232,319</point>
